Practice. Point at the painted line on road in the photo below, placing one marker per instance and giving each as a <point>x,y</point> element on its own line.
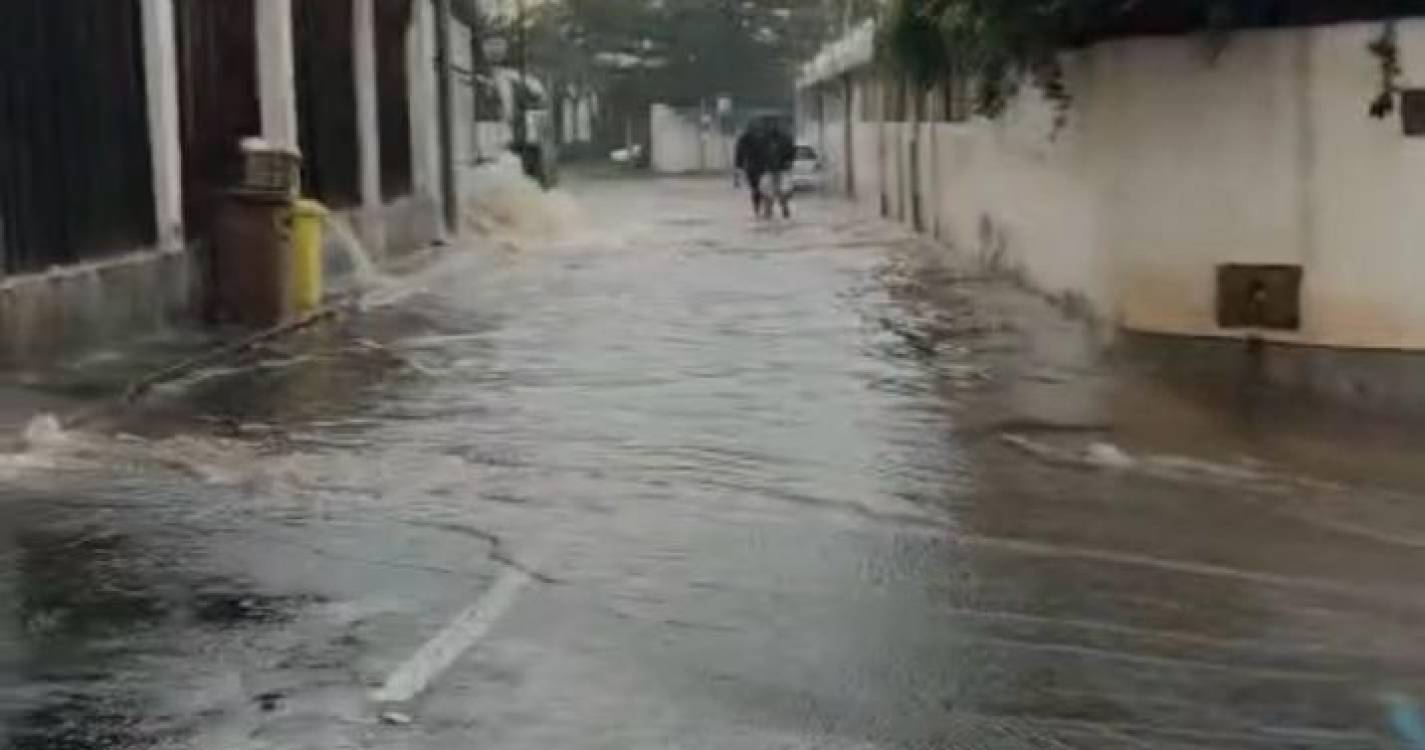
<point>463,633</point>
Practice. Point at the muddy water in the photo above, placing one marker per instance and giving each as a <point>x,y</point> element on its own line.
<point>806,484</point>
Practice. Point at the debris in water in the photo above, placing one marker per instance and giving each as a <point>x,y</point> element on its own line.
<point>1109,456</point>
<point>44,429</point>
<point>269,701</point>
<point>362,266</point>
<point>1098,455</point>
<point>506,202</point>
<point>396,719</point>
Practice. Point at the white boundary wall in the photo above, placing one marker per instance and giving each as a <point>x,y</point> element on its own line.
<point>680,145</point>
<point>1177,158</point>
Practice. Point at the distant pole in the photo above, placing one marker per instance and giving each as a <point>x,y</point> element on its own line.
<point>368,111</point>
<point>444,96</point>
<point>521,124</point>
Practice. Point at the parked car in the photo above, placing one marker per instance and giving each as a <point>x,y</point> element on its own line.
<point>807,173</point>
<point>631,155</point>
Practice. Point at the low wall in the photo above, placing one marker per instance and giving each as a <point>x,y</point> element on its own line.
<point>87,305</point>
<point>678,144</point>
<point>402,226</point>
<point>412,223</point>
<point>1180,154</point>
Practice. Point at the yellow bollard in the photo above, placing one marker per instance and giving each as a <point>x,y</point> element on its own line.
<point>308,218</point>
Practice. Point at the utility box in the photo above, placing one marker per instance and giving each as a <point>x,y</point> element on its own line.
<point>307,236</point>
<point>1264,296</point>
<point>251,270</point>
<point>270,169</point>
<point>252,274</point>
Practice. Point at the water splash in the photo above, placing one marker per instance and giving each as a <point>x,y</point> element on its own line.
<point>362,266</point>
<point>43,430</point>
<point>47,447</point>
<point>503,202</point>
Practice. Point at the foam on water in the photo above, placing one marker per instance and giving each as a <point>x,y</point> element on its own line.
<point>1378,514</point>
<point>48,447</point>
<point>502,202</point>
<point>1105,455</point>
<point>43,430</point>
<point>362,266</point>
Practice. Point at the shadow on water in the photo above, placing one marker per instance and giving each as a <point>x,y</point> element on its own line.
<point>84,606</point>
<point>70,593</point>
<point>80,585</point>
<point>74,721</point>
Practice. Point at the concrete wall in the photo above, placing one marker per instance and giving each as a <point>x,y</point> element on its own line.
<point>1273,160</point>
<point>1177,157</point>
<point>864,159</point>
<point>55,312</point>
<point>1018,194</point>
<point>492,139</point>
<point>87,305</point>
<point>831,136</point>
<point>679,145</point>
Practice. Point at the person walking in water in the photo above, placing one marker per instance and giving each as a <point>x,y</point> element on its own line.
<point>765,152</point>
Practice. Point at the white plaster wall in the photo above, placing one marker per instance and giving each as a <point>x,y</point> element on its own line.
<point>1264,154</point>
<point>584,119</point>
<point>1366,199</point>
<point>864,139</point>
<point>1200,172</point>
<point>893,174</point>
<point>1019,195</point>
<point>678,146</point>
<point>673,144</point>
<point>832,146</point>
<point>929,175</point>
<point>1177,157</point>
<point>492,137</point>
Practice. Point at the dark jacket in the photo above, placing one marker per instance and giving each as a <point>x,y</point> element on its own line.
<point>761,151</point>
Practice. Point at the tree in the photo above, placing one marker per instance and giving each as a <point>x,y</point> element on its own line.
<point>682,51</point>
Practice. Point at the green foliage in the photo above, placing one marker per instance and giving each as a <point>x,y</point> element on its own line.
<point>914,35</point>
<point>999,42</point>
<point>685,50</point>
<point>681,52</point>
<point>1003,42</point>
<point>1387,53</point>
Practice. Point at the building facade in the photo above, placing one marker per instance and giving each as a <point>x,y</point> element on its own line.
<point>121,128</point>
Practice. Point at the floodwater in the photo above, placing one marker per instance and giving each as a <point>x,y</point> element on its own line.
<point>682,479</point>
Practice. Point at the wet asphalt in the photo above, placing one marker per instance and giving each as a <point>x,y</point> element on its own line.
<point>682,479</point>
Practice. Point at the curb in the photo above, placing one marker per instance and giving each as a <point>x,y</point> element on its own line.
<point>136,390</point>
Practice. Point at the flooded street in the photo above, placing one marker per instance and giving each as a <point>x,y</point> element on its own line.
<point>679,479</point>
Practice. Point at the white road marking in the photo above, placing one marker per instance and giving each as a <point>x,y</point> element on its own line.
<point>464,632</point>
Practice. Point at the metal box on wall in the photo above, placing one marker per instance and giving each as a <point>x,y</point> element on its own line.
<point>251,269</point>
<point>1259,296</point>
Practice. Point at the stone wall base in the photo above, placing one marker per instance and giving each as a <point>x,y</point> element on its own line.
<point>49,314</point>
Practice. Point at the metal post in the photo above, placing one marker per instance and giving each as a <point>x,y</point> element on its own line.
<point>368,119</point>
<point>521,119</point>
<point>444,96</point>
<point>477,54</point>
<point>276,66</point>
<point>165,149</point>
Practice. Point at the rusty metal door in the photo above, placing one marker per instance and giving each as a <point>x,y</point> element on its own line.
<point>75,175</point>
<point>217,79</point>
<point>393,18</point>
<point>326,101</point>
